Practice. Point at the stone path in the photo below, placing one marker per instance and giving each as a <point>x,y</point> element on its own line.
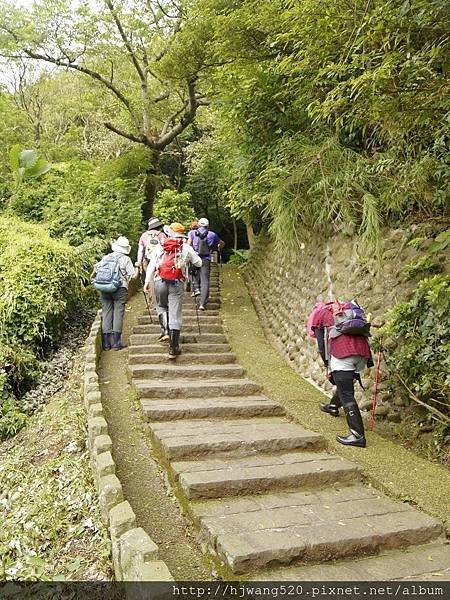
<point>265,495</point>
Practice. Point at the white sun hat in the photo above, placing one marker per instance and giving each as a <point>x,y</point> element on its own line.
<point>203,222</point>
<point>121,245</point>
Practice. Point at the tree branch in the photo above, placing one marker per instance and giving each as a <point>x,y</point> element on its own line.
<point>128,46</point>
<point>80,68</point>
<point>142,139</point>
<point>189,115</point>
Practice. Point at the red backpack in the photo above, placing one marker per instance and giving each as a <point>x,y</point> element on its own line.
<point>171,262</point>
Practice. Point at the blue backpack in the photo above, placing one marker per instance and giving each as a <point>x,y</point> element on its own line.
<point>107,276</point>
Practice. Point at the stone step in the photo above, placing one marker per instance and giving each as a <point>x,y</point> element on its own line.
<point>206,318</point>
<point>173,371</point>
<point>200,408</point>
<point>211,305</point>
<point>427,562</point>
<point>208,437</point>
<point>190,312</point>
<point>260,531</point>
<point>221,477</point>
<point>222,358</point>
<point>140,339</point>
<point>196,389</point>
<point>188,349</point>
<point>190,326</point>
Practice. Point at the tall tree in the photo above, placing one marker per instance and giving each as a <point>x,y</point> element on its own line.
<point>129,48</point>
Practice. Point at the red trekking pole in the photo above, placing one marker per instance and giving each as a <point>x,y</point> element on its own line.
<point>375,392</point>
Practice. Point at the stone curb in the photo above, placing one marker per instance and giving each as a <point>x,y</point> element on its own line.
<point>135,556</point>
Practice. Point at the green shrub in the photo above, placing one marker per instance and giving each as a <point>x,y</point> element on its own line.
<point>79,202</point>
<point>419,350</point>
<point>422,266</point>
<point>40,283</point>
<point>172,207</point>
<point>239,257</point>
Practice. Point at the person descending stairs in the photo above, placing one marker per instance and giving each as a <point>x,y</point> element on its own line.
<point>263,493</point>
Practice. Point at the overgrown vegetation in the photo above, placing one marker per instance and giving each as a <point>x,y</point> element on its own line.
<point>40,284</point>
<point>418,354</point>
<point>44,537</point>
<point>172,207</point>
<point>332,116</point>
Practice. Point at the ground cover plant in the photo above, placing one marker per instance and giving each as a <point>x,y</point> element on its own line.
<point>51,526</point>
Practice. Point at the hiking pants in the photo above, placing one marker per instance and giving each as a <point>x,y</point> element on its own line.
<point>344,381</point>
<point>169,298</point>
<point>113,309</point>
<point>204,281</point>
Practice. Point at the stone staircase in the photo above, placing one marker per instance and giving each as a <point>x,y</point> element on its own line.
<point>263,492</point>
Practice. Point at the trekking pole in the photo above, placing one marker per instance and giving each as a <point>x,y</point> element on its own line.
<point>375,392</point>
<point>146,301</point>
<point>196,312</point>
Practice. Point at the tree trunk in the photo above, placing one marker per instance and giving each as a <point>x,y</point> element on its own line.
<point>250,234</point>
<point>235,233</point>
<point>150,187</point>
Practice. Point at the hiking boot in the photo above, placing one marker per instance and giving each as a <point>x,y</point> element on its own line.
<point>106,342</point>
<point>201,307</point>
<point>117,343</point>
<point>195,293</point>
<point>174,348</point>
<point>356,426</point>
<point>164,336</point>
<point>353,439</point>
<point>331,409</point>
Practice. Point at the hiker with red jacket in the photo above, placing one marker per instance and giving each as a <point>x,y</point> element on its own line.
<point>341,332</point>
<point>167,271</point>
<point>204,243</point>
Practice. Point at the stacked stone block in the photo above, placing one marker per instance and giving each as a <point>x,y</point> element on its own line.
<point>286,289</point>
<point>134,554</point>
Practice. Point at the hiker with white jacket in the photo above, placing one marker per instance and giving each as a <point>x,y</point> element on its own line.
<point>167,272</point>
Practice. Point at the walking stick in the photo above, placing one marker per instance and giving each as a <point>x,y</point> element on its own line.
<point>146,301</point>
<point>375,392</point>
<point>196,312</point>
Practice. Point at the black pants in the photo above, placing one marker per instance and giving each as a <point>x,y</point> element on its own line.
<point>344,381</point>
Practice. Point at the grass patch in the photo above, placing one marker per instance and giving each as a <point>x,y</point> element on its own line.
<point>51,526</point>
<point>389,467</point>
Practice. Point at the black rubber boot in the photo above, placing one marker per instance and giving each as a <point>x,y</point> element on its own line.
<point>106,343</point>
<point>174,347</point>
<point>356,426</point>
<point>332,408</point>
<point>164,328</point>
<point>117,345</point>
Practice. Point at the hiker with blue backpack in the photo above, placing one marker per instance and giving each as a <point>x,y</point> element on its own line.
<point>111,277</point>
<point>167,272</point>
<point>204,243</point>
<point>342,332</point>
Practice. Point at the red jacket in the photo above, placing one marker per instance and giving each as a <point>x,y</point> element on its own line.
<point>343,345</point>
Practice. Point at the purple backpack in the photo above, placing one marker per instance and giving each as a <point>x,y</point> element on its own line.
<point>349,319</point>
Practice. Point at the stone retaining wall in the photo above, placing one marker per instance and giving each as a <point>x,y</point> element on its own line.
<point>285,290</point>
<point>135,555</point>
